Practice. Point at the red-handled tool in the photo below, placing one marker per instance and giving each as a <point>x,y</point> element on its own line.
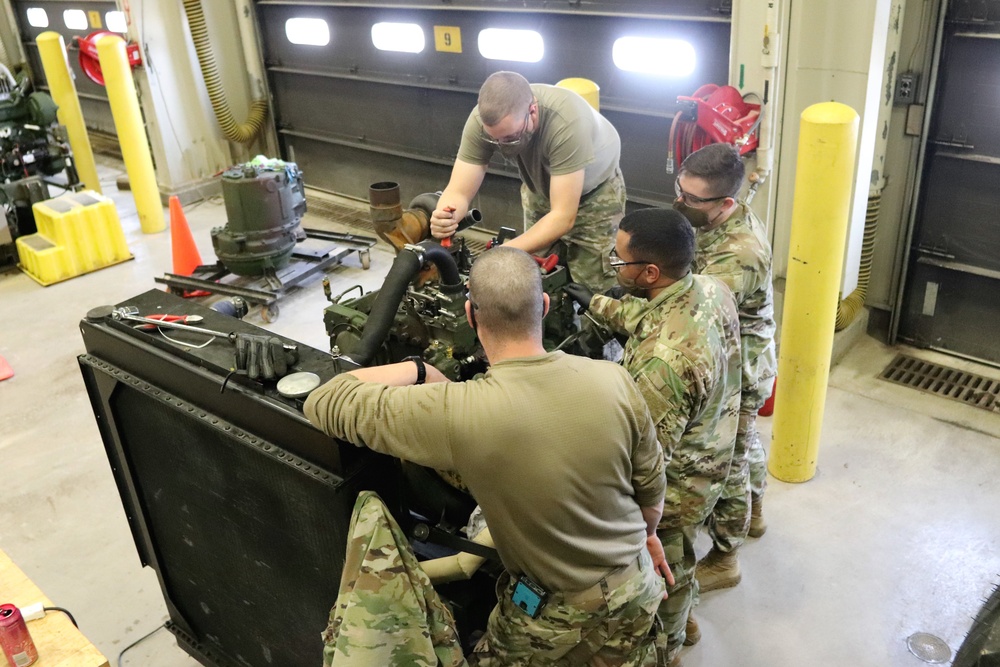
<point>446,242</point>
<point>547,263</point>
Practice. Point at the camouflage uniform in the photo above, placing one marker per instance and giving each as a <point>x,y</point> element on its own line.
<point>585,248</point>
<point>738,254</point>
<point>683,351</point>
<point>605,625</point>
<point>387,612</point>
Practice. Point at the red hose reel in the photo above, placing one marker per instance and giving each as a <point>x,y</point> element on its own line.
<point>89,62</point>
<point>713,115</point>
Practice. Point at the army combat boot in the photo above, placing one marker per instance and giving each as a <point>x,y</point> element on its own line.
<point>757,523</point>
<point>692,633</point>
<point>718,569</point>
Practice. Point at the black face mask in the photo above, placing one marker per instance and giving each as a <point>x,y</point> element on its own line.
<point>696,216</point>
<point>629,285</point>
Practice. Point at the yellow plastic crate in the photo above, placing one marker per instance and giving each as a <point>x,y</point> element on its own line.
<point>78,232</point>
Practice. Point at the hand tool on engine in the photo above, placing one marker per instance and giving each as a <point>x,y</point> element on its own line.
<point>505,234</point>
<point>546,264</point>
<point>446,242</point>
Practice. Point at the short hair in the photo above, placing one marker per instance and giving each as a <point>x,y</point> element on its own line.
<point>503,94</point>
<point>505,288</point>
<point>661,236</point>
<point>720,166</point>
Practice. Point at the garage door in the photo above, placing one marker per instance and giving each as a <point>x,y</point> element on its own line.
<point>367,92</point>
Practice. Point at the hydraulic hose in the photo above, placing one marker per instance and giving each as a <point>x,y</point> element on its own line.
<point>405,267</point>
<point>849,308</point>
<point>242,133</point>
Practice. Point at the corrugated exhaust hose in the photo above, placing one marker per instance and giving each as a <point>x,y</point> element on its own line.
<point>849,308</point>
<point>242,133</point>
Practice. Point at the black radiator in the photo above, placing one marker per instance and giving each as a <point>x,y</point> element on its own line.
<point>239,505</point>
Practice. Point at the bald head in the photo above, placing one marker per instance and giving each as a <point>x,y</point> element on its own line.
<point>504,94</point>
<point>505,287</point>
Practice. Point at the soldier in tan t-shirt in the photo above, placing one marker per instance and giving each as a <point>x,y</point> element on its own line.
<point>571,506</point>
<point>567,156</point>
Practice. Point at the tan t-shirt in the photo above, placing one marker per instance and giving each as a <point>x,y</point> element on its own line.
<point>559,451</point>
<point>570,136</point>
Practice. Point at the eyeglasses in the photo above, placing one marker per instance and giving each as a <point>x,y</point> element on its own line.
<point>468,297</point>
<point>617,262</point>
<point>510,142</point>
<point>693,199</point>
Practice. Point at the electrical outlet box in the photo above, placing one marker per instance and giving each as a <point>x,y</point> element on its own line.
<point>906,88</point>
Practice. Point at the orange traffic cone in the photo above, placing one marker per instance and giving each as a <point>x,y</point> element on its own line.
<point>5,370</point>
<point>185,252</point>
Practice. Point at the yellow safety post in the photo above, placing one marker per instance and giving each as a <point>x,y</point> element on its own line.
<point>52,50</point>
<point>585,88</point>
<point>820,213</point>
<point>131,132</point>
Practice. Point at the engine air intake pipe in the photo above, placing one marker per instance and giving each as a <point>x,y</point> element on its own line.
<point>405,267</point>
<point>399,227</point>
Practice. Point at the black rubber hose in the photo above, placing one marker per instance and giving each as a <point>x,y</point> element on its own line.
<point>404,268</point>
<point>444,262</point>
<point>383,313</point>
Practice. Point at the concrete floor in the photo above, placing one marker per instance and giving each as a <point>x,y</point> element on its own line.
<point>897,533</point>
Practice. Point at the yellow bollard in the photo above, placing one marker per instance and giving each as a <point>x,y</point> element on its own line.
<point>585,88</point>
<point>52,50</point>
<point>131,132</point>
<point>820,213</point>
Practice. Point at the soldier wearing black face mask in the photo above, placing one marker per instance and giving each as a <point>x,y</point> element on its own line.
<point>731,245</point>
<point>567,155</point>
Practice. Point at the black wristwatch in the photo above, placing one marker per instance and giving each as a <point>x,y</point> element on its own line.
<point>421,368</point>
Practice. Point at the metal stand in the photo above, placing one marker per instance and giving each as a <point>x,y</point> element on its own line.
<point>320,251</point>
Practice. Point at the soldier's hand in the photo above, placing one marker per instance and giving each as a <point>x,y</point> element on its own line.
<point>655,548</point>
<point>261,356</point>
<point>445,219</point>
<point>580,294</point>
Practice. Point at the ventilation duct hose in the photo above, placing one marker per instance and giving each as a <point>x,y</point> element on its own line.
<point>242,133</point>
<point>849,308</point>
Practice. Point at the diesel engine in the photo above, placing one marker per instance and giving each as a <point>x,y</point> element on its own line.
<point>420,308</point>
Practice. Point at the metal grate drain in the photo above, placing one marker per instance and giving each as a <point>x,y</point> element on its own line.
<point>969,388</point>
